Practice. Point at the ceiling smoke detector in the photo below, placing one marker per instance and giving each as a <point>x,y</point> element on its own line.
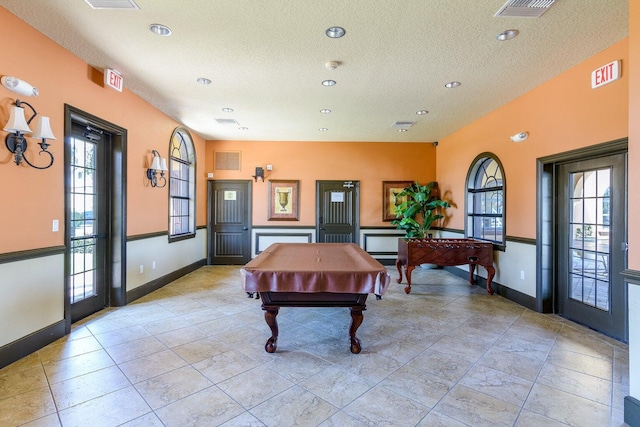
<point>332,65</point>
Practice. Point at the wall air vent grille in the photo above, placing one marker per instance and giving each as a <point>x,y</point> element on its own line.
<point>226,160</point>
<point>113,4</point>
<point>524,8</point>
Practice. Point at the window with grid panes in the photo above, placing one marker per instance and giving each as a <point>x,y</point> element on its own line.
<point>485,219</point>
<point>182,165</point>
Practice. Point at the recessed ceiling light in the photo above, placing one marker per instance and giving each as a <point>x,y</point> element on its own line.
<point>507,35</point>
<point>451,85</point>
<point>422,112</point>
<point>227,110</point>
<point>328,82</point>
<point>243,128</point>
<point>159,29</point>
<point>402,130</point>
<point>204,81</point>
<point>335,32</point>
<point>323,129</point>
<point>325,111</point>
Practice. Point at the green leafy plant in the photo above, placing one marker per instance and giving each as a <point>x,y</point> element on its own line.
<point>416,214</point>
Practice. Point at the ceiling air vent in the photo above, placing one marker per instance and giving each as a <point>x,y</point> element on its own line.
<point>113,4</point>
<point>227,122</point>
<point>402,125</point>
<point>524,8</point>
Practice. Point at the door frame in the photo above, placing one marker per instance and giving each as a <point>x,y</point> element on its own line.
<point>116,245</point>
<point>546,202</point>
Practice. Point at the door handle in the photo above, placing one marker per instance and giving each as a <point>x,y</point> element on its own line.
<point>245,228</point>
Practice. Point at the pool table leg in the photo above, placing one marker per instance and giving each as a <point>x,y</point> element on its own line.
<point>270,317</point>
<point>356,321</point>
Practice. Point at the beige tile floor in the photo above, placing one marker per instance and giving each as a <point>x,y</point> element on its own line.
<point>192,354</point>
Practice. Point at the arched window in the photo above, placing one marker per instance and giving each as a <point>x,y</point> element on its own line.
<point>182,186</point>
<point>486,200</point>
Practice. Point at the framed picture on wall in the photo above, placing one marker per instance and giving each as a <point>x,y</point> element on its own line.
<point>283,200</point>
<point>390,190</point>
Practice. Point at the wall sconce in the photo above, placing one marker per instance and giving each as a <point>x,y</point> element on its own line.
<point>17,126</point>
<point>158,164</point>
<point>259,174</point>
<point>519,137</point>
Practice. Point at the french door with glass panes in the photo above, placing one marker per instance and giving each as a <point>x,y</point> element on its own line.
<point>87,220</point>
<point>592,243</point>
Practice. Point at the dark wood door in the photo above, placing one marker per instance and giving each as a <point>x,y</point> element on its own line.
<point>592,243</point>
<point>229,222</point>
<point>337,211</point>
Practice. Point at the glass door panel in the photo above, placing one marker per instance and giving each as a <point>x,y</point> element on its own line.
<point>589,240</point>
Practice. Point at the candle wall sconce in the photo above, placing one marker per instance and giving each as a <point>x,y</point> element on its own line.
<point>18,126</point>
<point>158,165</point>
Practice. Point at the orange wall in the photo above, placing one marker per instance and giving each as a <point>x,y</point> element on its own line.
<point>31,198</point>
<point>560,115</point>
<point>634,135</point>
<point>367,162</point>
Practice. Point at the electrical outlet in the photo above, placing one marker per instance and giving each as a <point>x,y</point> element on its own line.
<point>141,268</point>
<point>153,265</point>
<point>269,167</point>
<point>521,274</point>
<point>55,225</point>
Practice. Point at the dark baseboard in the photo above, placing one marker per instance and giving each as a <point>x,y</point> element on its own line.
<point>30,343</point>
<point>387,261</point>
<point>632,411</point>
<point>508,293</point>
<point>158,283</point>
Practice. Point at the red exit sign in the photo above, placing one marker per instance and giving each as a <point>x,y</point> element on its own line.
<point>605,74</point>
<point>113,79</point>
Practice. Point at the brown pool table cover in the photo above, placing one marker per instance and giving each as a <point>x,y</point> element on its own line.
<point>315,267</point>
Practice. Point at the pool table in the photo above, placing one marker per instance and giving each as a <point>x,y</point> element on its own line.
<point>314,275</point>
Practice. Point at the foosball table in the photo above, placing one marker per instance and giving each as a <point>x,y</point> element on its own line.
<point>445,252</point>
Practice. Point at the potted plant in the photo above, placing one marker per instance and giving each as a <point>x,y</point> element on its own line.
<point>419,209</point>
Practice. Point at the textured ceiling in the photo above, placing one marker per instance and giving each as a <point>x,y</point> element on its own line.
<point>266,60</point>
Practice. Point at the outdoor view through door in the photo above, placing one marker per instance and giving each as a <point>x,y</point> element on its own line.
<point>589,237</point>
<point>86,221</point>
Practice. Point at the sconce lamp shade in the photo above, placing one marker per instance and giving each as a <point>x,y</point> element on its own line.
<point>17,122</point>
<point>159,163</point>
<point>155,164</point>
<point>43,129</point>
